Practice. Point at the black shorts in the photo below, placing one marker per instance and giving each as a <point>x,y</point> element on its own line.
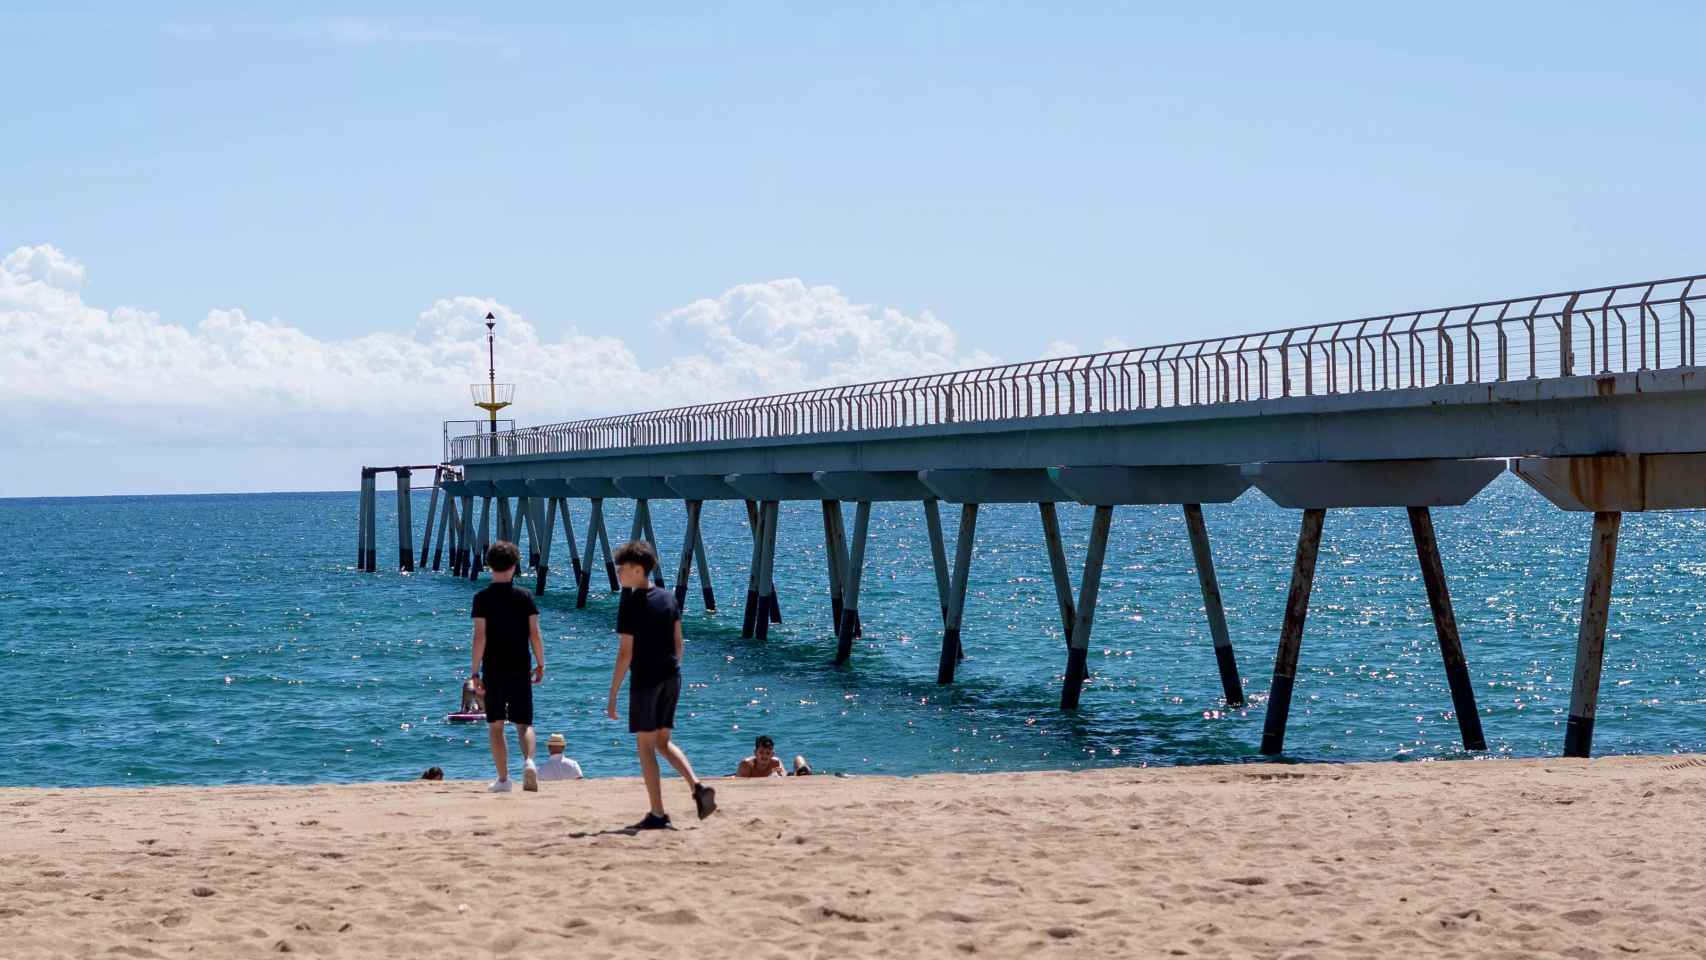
<point>653,707</point>
<point>509,696</point>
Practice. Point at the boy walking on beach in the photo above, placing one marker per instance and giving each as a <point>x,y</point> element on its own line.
<point>506,626</point>
<point>648,626</point>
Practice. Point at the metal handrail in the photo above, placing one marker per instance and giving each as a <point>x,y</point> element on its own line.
<point>1532,337</point>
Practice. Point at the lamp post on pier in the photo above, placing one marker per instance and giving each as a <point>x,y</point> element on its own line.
<point>492,396</point>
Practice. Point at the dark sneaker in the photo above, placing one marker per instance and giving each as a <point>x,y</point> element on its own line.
<point>653,822</point>
<point>705,798</point>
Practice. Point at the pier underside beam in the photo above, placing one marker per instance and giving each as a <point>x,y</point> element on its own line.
<point>1373,483</point>
<point>1654,481</point>
<point>1084,612</point>
<point>1231,686</point>
<point>876,486</point>
<point>1291,632</point>
<point>1150,486</point>
<point>695,486</point>
<point>952,649</point>
<point>992,486</point>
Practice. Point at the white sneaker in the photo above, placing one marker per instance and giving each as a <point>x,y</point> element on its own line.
<point>499,786</point>
<point>530,778</point>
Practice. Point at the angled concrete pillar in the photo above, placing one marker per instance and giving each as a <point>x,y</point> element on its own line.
<point>431,513</point>
<point>1231,686</point>
<point>1057,568</point>
<point>952,648</point>
<point>1084,613</point>
<point>707,592</point>
<point>831,559</point>
<point>1190,485</point>
<point>1291,632</point>
<point>938,553</point>
<point>853,576</point>
<point>689,546</point>
<point>768,515</point>
<point>749,618</point>
<point>1416,485</point>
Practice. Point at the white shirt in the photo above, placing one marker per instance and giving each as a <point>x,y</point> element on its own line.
<point>559,767</point>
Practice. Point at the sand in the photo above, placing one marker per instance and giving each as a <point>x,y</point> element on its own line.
<point>1492,858</point>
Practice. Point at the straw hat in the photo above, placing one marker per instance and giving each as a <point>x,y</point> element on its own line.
<point>556,741</point>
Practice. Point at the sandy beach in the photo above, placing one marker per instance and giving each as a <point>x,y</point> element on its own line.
<point>1463,859</point>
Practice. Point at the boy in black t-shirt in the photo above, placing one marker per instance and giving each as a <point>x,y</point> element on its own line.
<point>506,625</point>
<point>649,628</point>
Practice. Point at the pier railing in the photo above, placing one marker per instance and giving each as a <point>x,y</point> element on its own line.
<point>1617,329</point>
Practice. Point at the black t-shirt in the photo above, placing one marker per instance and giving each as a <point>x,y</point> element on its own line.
<point>649,616</point>
<point>506,610</point>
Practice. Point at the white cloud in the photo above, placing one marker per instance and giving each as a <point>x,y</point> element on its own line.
<point>74,374</point>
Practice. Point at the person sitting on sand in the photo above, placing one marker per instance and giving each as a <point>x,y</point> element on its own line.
<point>472,700</point>
<point>763,762</point>
<point>557,766</point>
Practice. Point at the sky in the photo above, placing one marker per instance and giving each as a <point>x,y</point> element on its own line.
<point>248,250</point>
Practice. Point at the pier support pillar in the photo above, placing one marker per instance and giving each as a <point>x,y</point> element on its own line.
<point>506,531</point>
<point>432,509</point>
<point>706,592</point>
<point>468,539</point>
<point>749,616</point>
<point>596,536</point>
<point>369,523</point>
<point>952,650</point>
<point>1445,625</point>
<point>543,523</point>
<point>1057,568</point>
<point>1084,613</point>
<point>832,562</point>
<point>446,535</point>
<point>1590,636</point>
<point>769,512</point>
<point>1291,632</point>
<point>689,546</point>
<point>853,576</point>
<point>484,542</point>
<point>1230,684</point>
<point>938,554</point>
<point>562,507</point>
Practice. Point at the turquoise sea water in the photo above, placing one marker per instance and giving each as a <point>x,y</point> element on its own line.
<point>218,639</point>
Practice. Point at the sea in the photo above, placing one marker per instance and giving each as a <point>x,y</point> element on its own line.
<point>230,639</point>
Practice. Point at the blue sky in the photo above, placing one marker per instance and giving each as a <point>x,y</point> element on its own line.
<point>1024,179</point>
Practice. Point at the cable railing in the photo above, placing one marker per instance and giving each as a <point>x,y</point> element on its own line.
<point>1604,330</point>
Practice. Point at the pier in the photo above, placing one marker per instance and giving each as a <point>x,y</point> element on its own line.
<point>1592,397</point>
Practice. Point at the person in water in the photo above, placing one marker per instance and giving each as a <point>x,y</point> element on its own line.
<point>506,628</point>
<point>557,766</point>
<point>648,629</point>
